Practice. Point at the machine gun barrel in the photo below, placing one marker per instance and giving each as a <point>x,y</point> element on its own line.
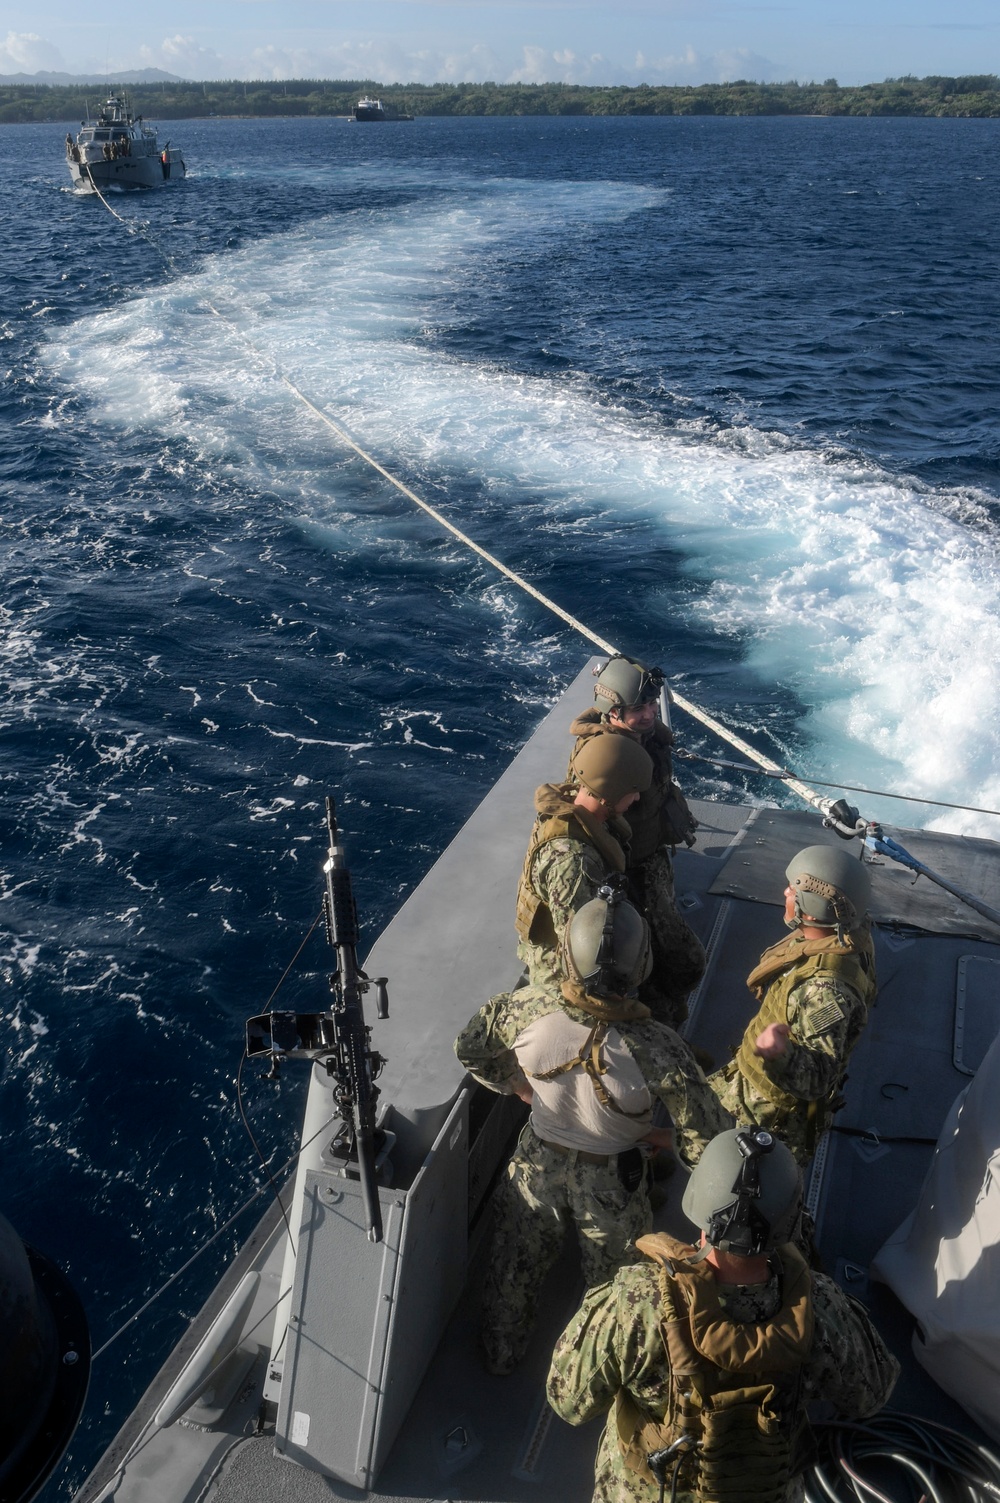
<point>352,1065</point>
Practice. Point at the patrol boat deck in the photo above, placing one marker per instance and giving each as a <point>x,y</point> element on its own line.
<point>367,1353</point>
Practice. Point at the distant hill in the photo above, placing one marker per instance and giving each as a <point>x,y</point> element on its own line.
<point>141,76</point>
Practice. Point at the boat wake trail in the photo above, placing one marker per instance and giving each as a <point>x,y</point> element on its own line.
<point>868,601</point>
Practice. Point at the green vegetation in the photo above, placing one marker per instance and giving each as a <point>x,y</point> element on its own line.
<point>969,96</point>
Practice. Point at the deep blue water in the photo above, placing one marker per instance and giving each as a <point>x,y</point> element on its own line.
<point>726,389</point>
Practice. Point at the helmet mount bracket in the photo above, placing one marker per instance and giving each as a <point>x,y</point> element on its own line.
<point>740,1227</point>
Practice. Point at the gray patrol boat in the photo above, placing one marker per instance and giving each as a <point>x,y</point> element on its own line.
<point>121,150</point>
<point>330,1364</point>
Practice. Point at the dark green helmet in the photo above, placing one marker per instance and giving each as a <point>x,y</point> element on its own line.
<point>832,887</point>
<point>606,946</point>
<point>622,684</point>
<point>610,765</point>
<point>745,1192</point>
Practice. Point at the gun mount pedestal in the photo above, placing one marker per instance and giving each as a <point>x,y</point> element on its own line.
<point>374,1313</point>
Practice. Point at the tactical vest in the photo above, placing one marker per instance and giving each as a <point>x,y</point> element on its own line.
<point>590,1059</point>
<point>533,920</point>
<point>735,1400</point>
<point>660,816</point>
<point>782,968</point>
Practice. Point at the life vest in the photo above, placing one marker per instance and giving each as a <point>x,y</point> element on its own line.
<point>781,969</point>
<point>660,816</point>
<point>735,1392</point>
<point>560,819</point>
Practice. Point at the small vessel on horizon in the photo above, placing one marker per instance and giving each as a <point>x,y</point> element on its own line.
<point>368,109</point>
<point>120,150</point>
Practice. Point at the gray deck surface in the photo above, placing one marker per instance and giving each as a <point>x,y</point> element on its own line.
<point>470,1436</point>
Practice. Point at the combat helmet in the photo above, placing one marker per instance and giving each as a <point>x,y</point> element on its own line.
<point>611,766</point>
<point>606,946</point>
<point>745,1192</point>
<point>623,683</point>
<point>832,887</point>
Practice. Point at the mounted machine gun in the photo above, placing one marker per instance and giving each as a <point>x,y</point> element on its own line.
<point>339,1037</point>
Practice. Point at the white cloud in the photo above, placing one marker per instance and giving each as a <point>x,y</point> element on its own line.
<point>565,66</point>
<point>388,61</point>
<point>740,62</point>
<point>539,65</point>
<point>382,60</point>
<point>26,52</point>
<point>184,56</point>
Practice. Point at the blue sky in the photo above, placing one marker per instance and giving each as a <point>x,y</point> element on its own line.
<point>602,42</point>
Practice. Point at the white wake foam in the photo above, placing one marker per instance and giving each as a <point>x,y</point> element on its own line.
<point>876,604</point>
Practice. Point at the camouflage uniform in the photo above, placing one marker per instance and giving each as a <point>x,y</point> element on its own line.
<point>614,1343</point>
<point>562,874</point>
<point>795,1095</point>
<point>659,820</point>
<point>547,1187</point>
<point>678,954</point>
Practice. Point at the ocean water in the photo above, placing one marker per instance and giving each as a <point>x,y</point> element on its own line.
<point>726,389</point>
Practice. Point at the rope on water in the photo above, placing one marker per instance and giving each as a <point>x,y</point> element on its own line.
<point>463,537</point>
<point>764,763</point>
<point>134,228</point>
<point>695,711</point>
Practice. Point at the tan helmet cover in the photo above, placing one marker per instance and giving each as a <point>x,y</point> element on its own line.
<point>612,765</point>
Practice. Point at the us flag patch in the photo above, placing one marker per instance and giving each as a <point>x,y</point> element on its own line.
<point>824,1017</point>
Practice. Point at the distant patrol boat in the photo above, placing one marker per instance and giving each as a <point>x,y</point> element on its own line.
<point>120,150</point>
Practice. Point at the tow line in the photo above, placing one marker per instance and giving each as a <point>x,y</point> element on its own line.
<point>825,806</point>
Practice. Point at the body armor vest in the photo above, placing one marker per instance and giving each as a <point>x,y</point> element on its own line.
<point>784,967</point>
<point>735,1399</point>
<point>560,819</point>
<point>659,816</point>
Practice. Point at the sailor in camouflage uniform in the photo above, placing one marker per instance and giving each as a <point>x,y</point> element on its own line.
<point>591,1063</point>
<point>579,842</point>
<point>705,1361</point>
<point>815,989</point>
<point>626,699</point>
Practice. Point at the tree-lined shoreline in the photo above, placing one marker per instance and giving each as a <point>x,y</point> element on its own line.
<point>970,96</point>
